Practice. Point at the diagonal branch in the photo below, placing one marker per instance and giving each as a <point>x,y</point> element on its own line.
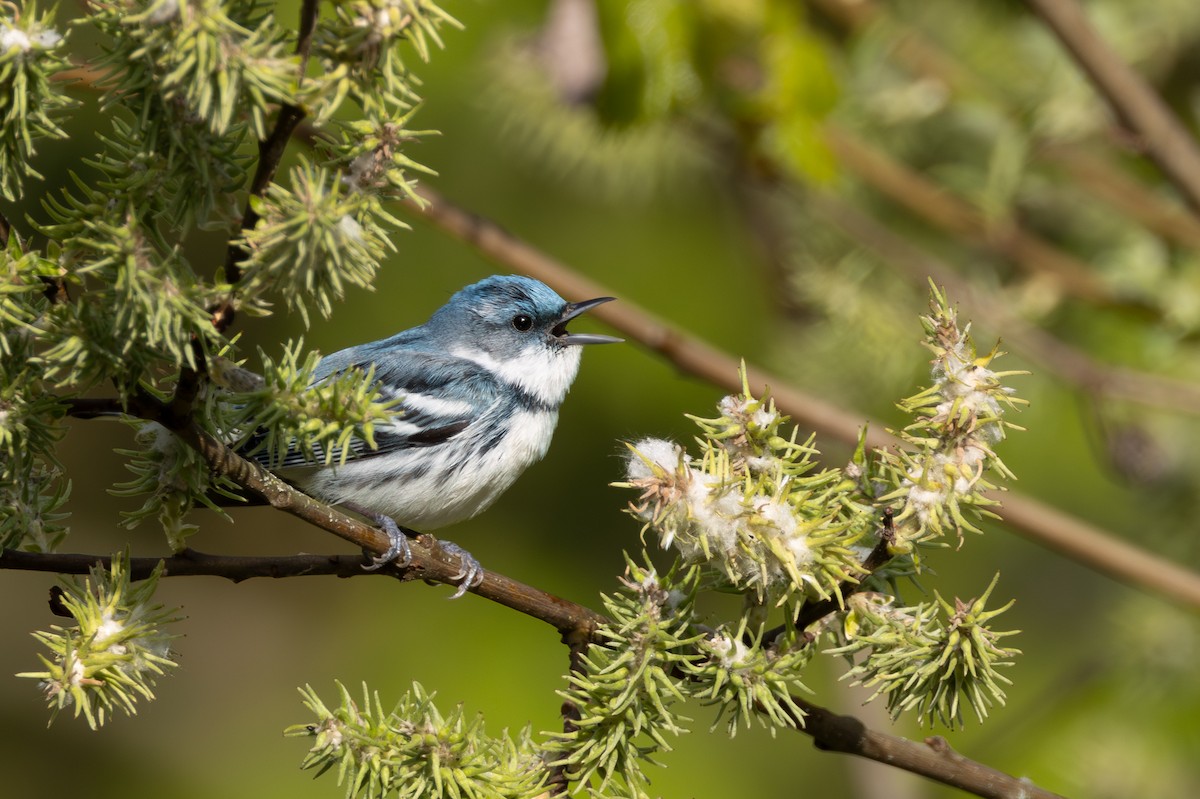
<point>1164,137</point>
<point>429,561</point>
<point>1035,520</point>
<point>921,56</point>
<point>934,758</point>
<point>949,212</point>
<point>1061,360</point>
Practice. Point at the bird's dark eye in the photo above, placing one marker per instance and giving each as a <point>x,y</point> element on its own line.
<point>522,322</point>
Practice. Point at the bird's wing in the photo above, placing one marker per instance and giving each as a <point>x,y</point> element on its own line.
<point>440,397</point>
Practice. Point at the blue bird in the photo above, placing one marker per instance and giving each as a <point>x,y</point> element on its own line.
<point>479,386</point>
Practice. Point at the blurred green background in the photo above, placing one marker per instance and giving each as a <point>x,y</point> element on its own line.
<point>1105,700</point>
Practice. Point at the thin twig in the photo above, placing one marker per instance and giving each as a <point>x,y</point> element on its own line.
<point>270,154</point>
<point>1035,520</point>
<point>1163,136</point>
<point>190,563</point>
<point>558,783</point>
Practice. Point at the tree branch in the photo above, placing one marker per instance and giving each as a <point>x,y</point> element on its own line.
<point>190,563</point>
<point>429,561</point>
<point>270,153</point>
<point>934,758</point>
<point>576,623</point>
<point>830,731</point>
<point>941,208</point>
<point>1165,139</point>
<point>1061,360</point>
<point>577,642</point>
<point>1035,520</point>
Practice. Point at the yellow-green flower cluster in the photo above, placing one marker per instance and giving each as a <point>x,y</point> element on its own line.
<point>416,751</point>
<point>749,681</point>
<point>175,479</point>
<point>629,684</point>
<point>116,651</point>
<point>932,658</point>
<point>959,418</point>
<point>752,508</point>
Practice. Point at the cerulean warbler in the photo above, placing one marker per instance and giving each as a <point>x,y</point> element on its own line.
<point>478,389</point>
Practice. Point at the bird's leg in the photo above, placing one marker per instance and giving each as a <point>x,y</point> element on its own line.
<point>398,549</point>
<point>470,573</point>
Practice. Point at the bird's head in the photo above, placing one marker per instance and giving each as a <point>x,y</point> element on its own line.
<point>517,326</point>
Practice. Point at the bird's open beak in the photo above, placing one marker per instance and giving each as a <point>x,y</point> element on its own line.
<point>574,309</point>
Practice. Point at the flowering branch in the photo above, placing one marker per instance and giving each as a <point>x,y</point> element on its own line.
<point>829,731</point>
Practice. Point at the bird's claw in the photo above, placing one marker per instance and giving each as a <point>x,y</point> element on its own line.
<point>470,573</point>
<point>398,550</point>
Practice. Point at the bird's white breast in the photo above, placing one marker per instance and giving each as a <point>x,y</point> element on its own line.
<point>459,480</point>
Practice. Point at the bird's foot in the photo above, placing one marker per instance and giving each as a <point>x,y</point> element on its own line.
<point>398,550</point>
<point>470,573</point>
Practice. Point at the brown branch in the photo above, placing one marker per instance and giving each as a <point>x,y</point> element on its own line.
<point>1060,360</point>
<point>190,563</point>
<point>1036,521</point>
<point>923,57</point>
<point>956,216</point>
<point>829,731</point>
<point>1135,103</point>
<point>1124,193</point>
<point>429,561</point>
<point>558,783</point>
<point>934,758</point>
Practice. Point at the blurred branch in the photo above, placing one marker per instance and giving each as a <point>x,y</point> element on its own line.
<point>1037,521</point>
<point>1162,135</point>
<point>956,216</point>
<point>924,57</point>
<point>1061,360</point>
<point>1129,196</point>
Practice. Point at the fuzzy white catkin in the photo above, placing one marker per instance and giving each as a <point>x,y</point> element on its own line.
<point>664,454</point>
